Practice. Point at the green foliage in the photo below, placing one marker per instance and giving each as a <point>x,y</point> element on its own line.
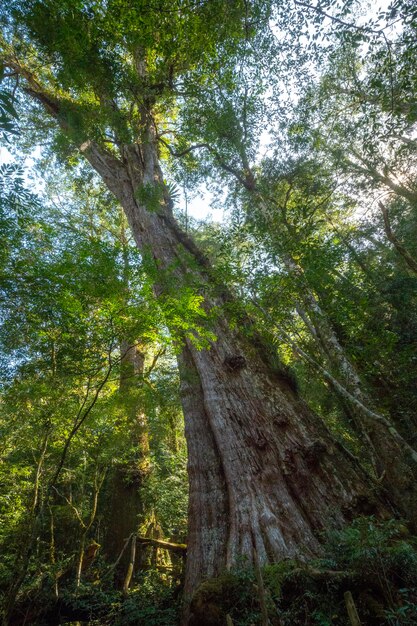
<point>165,492</point>
<point>151,196</point>
<point>153,603</point>
<point>8,113</point>
<point>72,290</point>
<point>374,548</point>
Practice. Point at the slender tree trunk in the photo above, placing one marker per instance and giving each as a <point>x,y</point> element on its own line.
<point>390,454</point>
<point>131,566</point>
<point>124,506</point>
<point>335,356</point>
<point>84,559</point>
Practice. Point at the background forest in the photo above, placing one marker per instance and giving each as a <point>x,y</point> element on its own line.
<point>295,121</point>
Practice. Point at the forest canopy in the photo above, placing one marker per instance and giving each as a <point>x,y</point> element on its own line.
<point>208,421</point>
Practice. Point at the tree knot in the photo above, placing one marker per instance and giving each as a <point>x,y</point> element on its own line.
<point>314,452</point>
<point>234,362</point>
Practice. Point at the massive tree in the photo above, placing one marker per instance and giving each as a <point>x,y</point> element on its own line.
<point>265,474</point>
<point>269,205</point>
<point>282,197</point>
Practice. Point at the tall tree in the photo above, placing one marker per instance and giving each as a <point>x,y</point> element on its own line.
<point>265,474</point>
<point>282,199</point>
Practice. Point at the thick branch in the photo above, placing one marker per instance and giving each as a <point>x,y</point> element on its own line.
<point>246,180</point>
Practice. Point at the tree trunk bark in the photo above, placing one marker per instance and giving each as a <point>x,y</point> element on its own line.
<point>282,478</point>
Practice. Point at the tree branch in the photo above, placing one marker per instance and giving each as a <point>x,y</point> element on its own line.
<point>398,245</point>
<point>247,180</point>
<point>166,545</point>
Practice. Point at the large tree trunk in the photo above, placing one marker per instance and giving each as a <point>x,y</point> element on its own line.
<point>208,521</point>
<point>284,478</point>
<point>265,473</point>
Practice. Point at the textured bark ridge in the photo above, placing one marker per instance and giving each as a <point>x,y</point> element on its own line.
<point>208,520</point>
<point>264,472</point>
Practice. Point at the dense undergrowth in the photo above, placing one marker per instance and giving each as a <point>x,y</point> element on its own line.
<point>375,561</point>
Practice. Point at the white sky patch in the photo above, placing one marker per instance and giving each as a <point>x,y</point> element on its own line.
<point>199,207</point>
<point>201,204</point>
<point>28,164</point>
<point>5,156</point>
